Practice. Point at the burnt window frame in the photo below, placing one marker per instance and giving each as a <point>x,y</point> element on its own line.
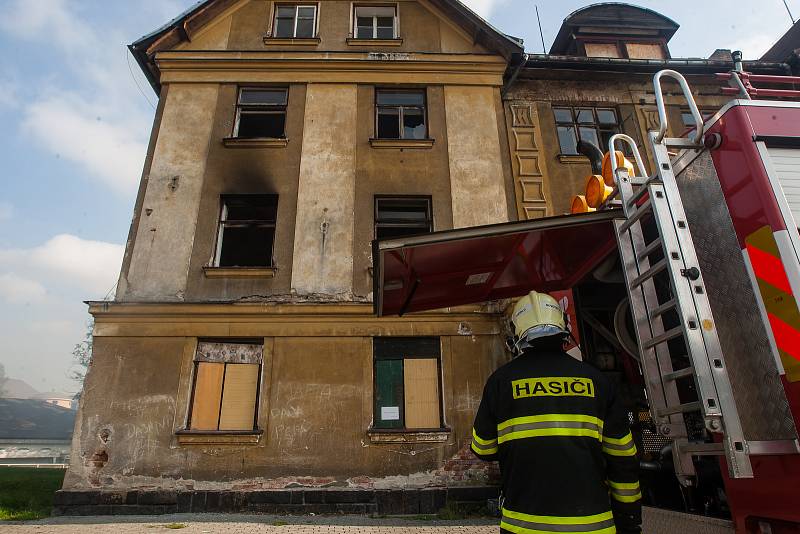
<point>389,223</point>
<point>260,109</point>
<point>295,18</point>
<point>401,128</point>
<point>222,223</point>
<point>383,353</point>
<point>395,21</point>
<point>599,127</point>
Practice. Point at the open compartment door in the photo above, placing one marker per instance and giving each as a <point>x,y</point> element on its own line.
<point>471,265</point>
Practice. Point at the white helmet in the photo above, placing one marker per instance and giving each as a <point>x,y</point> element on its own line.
<point>538,315</point>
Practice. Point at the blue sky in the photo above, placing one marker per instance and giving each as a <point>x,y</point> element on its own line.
<point>76,115</point>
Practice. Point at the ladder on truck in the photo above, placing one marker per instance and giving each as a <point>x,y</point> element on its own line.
<point>680,355</point>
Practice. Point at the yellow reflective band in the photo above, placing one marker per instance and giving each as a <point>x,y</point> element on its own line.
<point>626,498</point>
<point>624,485</point>
<point>482,441</point>
<point>617,452</point>
<point>483,452</point>
<point>545,432</point>
<point>559,520</point>
<point>551,417</point>
<point>624,440</point>
<point>522,530</point>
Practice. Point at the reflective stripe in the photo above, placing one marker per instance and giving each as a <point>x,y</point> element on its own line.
<point>623,446</point>
<point>625,491</point>
<point>534,524</point>
<point>481,446</point>
<point>535,426</point>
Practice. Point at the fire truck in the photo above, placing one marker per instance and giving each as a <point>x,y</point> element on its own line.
<point>682,285</point>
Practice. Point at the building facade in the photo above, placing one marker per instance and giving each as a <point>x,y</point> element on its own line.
<point>240,351</point>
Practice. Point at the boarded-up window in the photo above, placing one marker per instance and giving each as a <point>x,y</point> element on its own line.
<point>602,50</point>
<point>407,372</point>
<point>225,392</point>
<point>645,50</point>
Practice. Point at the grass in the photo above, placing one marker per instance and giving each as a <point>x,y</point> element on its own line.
<point>27,493</point>
<point>175,526</point>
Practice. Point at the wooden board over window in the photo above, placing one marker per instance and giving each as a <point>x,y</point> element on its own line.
<point>601,50</point>
<point>421,384</point>
<point>239,397</point>
<point>207,391</point>
<point>645,50</point>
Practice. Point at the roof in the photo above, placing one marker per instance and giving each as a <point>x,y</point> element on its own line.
<point>35,419</point>
<point>648,66</point>
<point>783,49</point>
<point>608,15</point>
<point>190,21</point>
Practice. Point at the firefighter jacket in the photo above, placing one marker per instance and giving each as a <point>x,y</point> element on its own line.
<point>567,458</point>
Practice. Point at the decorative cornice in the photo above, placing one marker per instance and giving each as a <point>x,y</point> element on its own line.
<point>329,67</point>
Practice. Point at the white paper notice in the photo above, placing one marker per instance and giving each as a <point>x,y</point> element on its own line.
<point>390,413</point>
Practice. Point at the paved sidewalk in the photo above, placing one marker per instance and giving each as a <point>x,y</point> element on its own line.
<point>246,524</point>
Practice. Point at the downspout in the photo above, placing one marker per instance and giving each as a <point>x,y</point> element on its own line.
<point>513,77</point>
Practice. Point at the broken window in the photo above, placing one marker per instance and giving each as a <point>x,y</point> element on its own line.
<point>375,22</point>
<point>402,216</point>
<point>261,112</point>
<point>226,385</point>
<point>400,114</point>
<point>246,231</point>
<point>295,21</point>
<point>593,125</point>
<point>406,383</point>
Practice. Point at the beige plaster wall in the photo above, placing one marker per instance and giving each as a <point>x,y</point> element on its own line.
<point>323,242</point>
<point>161,252</point>
<point>476,169</point>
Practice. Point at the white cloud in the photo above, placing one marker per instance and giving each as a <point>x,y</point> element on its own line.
<point>109,150</point>
<point>67,262</point>
<point>482,7</point>
<point>18,290</point>
<point>33,20</point>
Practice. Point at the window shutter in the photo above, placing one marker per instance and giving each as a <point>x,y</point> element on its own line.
<point>389,394</point>
<point>207,393</point>
<point>421,380</point>
<point>239,397</point>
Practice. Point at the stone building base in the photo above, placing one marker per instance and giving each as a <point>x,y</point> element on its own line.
<point>287,501</point>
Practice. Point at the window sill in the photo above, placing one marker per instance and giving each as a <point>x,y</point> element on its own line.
<point>201,437</point>
<point>389,435</point>
<point>240,272</point>
<point>294,41</point>
<point>570,159</point>
<point>401,143</point>
<point>255,142</point>
<point>352,41</point>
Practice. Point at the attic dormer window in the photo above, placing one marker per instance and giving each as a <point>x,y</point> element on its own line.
<point>295,21</point>
<point>375,22</point>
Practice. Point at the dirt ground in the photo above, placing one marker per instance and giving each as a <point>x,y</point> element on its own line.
<point>241,524</point>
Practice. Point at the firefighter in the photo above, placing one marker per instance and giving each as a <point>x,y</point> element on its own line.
<point>567,458</point>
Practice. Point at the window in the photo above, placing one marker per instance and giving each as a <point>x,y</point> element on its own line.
<point>688,118</point>
<point>397,217</point>
<point>261,112</point>
<point>645,50</point>
<point>375,22</point>
<point>593,125</point>
<point>400,114</point>
<point>246,231</point>
<point>226,385</point>
<point>295,21</point>
<point>602,50</point>
<point>406,382</point>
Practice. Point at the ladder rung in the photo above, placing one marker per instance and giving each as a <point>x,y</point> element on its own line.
<point>649,273</point>
<point>649,249</point>
<point>680,408</point>
<point>661,338</point>
<point>637,214</point>
<point>703,449</point>
<point>680,373</point>
<point>660,310</point>
<point>639,193</point>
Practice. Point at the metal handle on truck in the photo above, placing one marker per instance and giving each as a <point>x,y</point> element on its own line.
<point>697,137</point>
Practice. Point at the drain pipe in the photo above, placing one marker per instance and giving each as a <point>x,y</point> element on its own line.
<point>513,77</point>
